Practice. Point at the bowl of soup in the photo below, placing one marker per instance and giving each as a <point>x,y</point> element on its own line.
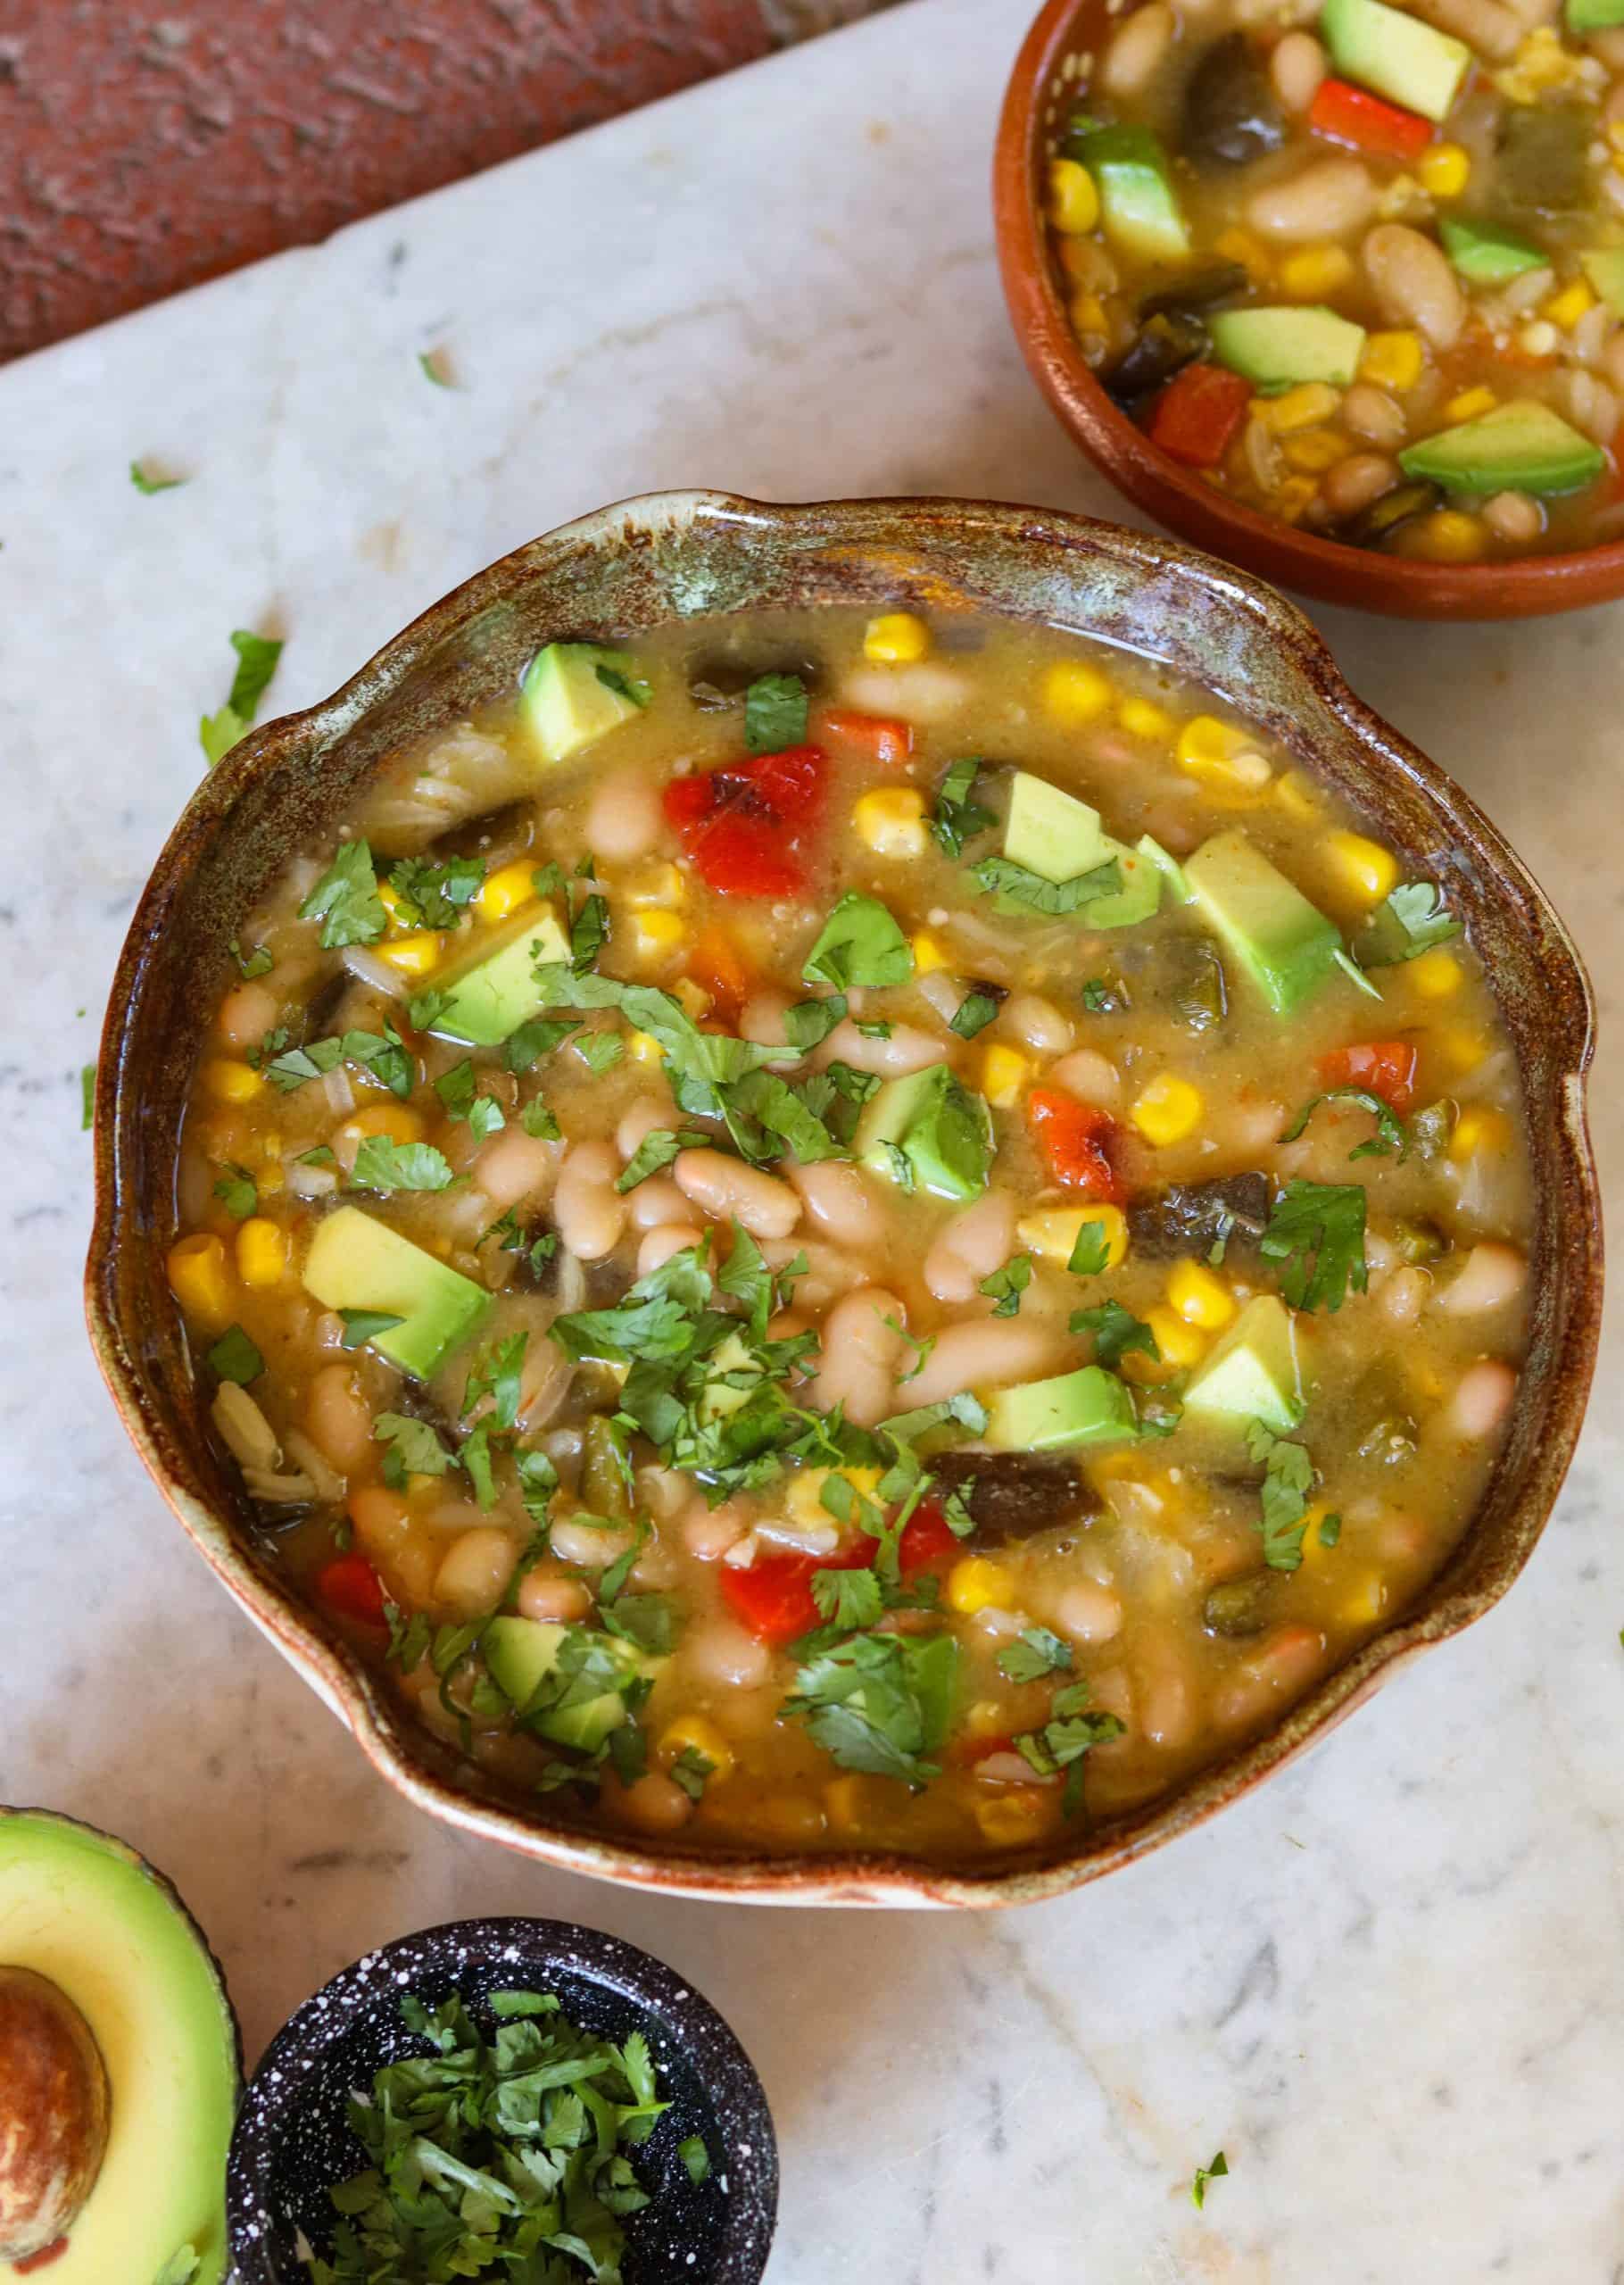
<point>846,1203</point>
<point>1336,289</point>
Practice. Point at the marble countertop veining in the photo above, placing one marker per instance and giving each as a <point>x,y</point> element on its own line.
<point>1391,1985</point>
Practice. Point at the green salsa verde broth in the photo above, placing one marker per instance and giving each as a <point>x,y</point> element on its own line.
<point>1173,1434</point>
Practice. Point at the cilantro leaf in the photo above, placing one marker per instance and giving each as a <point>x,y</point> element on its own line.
<point>809,1022</point>
<point>1412,921</point>
<point>861,943</point>
<point>1091,1254</point>
<point>498,1372</point>
<point>362,1326</point>
<point>598,1051</point>
<point>1214,2171</point>
<point>695,2158</point>
<point>412,1448</point>
<point>974,1013</point>
<point>589,932</point>
<point>1005,1286</point>
<point>1316,1231</point>
<point>256,662</point>
<point>658,1148</point>
<point>776,711</point>
<point>150,484</point>
<point>345,900</point>
<point>1034,1654</point>
<point>958,818</point>
<point>1288,1480</point>
<point>879,1703</point>
<point>457,1090</point>
<point>237,1194</point>
<point>1389,1140</point>
<point>690,1770</point>
<point>847,1598</point>
<point>1116,1332</point>
<point>384,1165</point>
<point>258,962</point>
<point>235,1358</point>
<point>530,1042</point>
<point>998,876</point>
<point>435,896</point>
<point>86,1097</point>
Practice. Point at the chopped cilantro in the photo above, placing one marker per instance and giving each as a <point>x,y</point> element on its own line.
<point>412,1448</point>
<point>1116,1332</point>
<point>658,1148</point>
<point>1070,1733</point>
<point>690,1770</point>
<point>1214,2171</point>
<point>148,485</point>
<point>589,932</point>
<point>695,2158</point>
<point>998,876</point>
<point>859,943</point>
<point>976,1011</point>
<point>235,1358</point>
<point>598,1051</point>
<point>457,1090</point>
<point>1388,1141</point>
<point>1101,997</point>
<point>258,962</point>
<point>435,896</point>
<point>86,1097</point>
<point>1412,921</point>
<point>1316,1230</point>
<point>384,1165</point>
<point>1288,1480</point>
<point>775,713</point>
<point>879,1703</point>
<point>1331,1530</point>
<point>256,662</point>
<point>345,900</point>
<point>237,1194</point>
<point>847,1598</point>
<point>809,1022</point>
<point>529,1042</point>
<point>498,1372</point>
<point>1034,1654</point>
<point>431,364</point>
<point>1005,1286</point>
<point>958,818</point>
<point>362,1326</point>
<point>1091,1254</point>
<point>538,1121</point>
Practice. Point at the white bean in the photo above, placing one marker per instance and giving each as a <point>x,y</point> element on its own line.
<point>762,1019</point>
<point>708,1532</point>
<point>1482,1398</point>
<point>1354,483</point>
<point>1403,1295</point>
<point>1491,1276</point>
<point>590,1547</point>
<point>727,1189</point>
<point>907,1049</point>
<point>1514,518</point>
<point>1093,1078</point>
<point>1495,30</point>
<point>338,1419</point>
<point>927,693</point>
<point>513,1166</point>
<point>549,1595</point>
<point>1371,413</point>
<point>659,1243</point>
<point>247,1014</point>
<point>842,1202</point>
<point>1089,1612</point>
<point>641,1119</point>
<point>984,1354</point>
<point>623,817</point>
<point>1297,68</point>
<point>1325,200</point>
<point>859,1356</point>
<point>1038,1022</point>
<point>828,1272</point>
<point>970,1247</point>
<point>724,1653</point>
<point>590,1212</point>
<point>1411,280</point>
<point>656,1201</point>
<point>475,1574</point>
<point>653,1804</point>
<point>1135,55</point>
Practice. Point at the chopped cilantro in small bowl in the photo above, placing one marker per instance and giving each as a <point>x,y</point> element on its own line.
<point>516,2098</point>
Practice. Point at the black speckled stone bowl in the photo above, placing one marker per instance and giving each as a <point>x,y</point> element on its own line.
<point>293,2142</point>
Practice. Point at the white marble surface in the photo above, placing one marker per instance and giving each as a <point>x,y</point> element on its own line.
<point>1392,1985</point>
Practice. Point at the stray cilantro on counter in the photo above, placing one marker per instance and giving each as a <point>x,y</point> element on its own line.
<point>86,1097</point>
<point>148,485</point>
<point>256,662</point>
<point>1215,2171</point>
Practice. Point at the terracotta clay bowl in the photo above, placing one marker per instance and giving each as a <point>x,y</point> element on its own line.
<point>1042,88</point>
<point>616,574</point>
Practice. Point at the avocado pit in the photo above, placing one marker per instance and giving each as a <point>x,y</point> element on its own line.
<point>54,2112</point>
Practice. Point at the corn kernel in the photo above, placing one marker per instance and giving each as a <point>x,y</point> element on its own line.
<point>692,1733</point>
<point>1315,1551</point>
<point>1142,718</point>
<point>415,955</point>
<point>1298,796</point>
<point>1315,450</point>
<point>1224,758</point>
<point>1073,203</point>
<point>1179,1341</point>
<point>268,1180</point>
<point>1437,974</point>
<point>1307,406</point>
<point>1052,1235</point>
<point>389,896</point>
<point>656,935</point>
<point>1444,171</point>
<point>1004,1072</point>
<point>1471,404</point>
<point>398,1121</point>
<point>657,884</point>
<point>1447,536</point>
<point>895,640</point>
<point>1199,1298</point>
<point>1479,1127</point>
<point>1538,339</point>
<point>928,955</point>
<point>1088,314</point>
<point>1236,244</point>
<point>691,998</point>
<point>1314,273</point>
<point>1392,361</point>
<point>859,1806</point>
<point>642,1047</point>
<point>890,821</point>
<point>1168,1110</point>
<point>1292,498</point>
<point>1075,694</point>
<point>505,892</point>
<point>1564,310</point>
<point>1364,869</point>
<point>1363,1604</point>
<point>975,1585</point>
<point>1015,1818</point>
<point>986,1718</point>
<point>261,1252</point>
<point>1462,1049</point>
<point>231,1082</point>
<point>200,1280</point>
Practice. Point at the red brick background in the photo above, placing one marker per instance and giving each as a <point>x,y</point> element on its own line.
<point>147,145</point>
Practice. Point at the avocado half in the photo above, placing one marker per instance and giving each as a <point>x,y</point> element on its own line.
<point>101,1933</point>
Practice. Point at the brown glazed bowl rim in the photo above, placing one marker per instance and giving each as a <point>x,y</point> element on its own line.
<point>1026,563</point>
<point>1524,587</point>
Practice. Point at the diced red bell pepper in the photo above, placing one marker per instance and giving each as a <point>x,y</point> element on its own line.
<point>687,801</point>
<point>1197,414</point>
<point>743,856</point>
<point>32,2263</point>
<point>1381,1067</point>
<point>884,740</point>
<point>716,966</point>
<point>1072,1139</point>
<point>741,825</point>
<point>928,1541</point>
<point>772,1596</point>
<point>1344,113</point>
<point>352,1589</point>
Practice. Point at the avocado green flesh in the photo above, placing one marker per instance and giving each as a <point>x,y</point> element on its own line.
<point>1278,347</point>
<point>1286,945</point>
<point>1484,253</point>
<point>1088,1407</point>
<point>1051,833</point>
<point>87,1914</point>
<point>1139,897</point>
<point>1522,447</point>
<point>1604,266</point>
<point>943,1130</point>
<point>1395,54</point>
<point>565,705</point>
<point>521,1653</point>
<point>357,1262</point>
<point>488,997</point>
<point>1252,1372</point>
<point>1139,206</point>
<point>1594,15</point>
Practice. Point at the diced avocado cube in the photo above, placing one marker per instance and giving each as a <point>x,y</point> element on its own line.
<point>1252,1372</point>
<point>1277,347</point>
<point>573,694</point>
<point>1051,833</point>
<point>1140,896</point>
<point>943,1132</point>
<point>717,1400</point>
<point>1169,868</point>
<point>1604,265</point>
<point>1139,206</point>
<point>1594,15</point>
<point>1088,1407</point>
<point>1396,56</point>
<point>1486,254</point>
<point>357,1262</point>
<point>1286,945</point>
<point>488,996</point>
<point>523,1653</point>
<point>1522,447</point>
